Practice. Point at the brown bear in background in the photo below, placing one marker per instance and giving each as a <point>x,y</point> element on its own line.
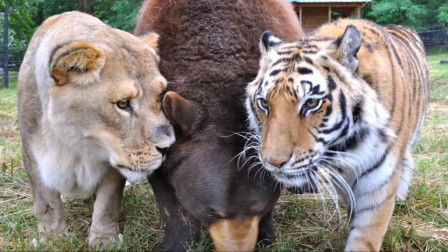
<point>209,52</point>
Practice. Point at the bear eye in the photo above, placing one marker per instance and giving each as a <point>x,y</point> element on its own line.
<point>263,105</point>
<point>124,105</point>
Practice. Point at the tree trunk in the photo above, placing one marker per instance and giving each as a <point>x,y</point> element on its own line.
<point>40,17</point>
<point>86,6</point>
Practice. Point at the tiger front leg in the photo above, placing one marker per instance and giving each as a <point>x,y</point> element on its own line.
<point>375,193</point>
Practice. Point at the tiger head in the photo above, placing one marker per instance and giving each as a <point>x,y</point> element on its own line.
<point>305,100</point>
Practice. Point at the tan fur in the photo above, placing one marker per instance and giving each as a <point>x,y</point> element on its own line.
<point>235,234</point>
<point>151,38</point>
<point>391,79</point>
<point>76,139</point>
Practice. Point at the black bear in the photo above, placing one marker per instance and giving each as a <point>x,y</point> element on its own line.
<point>209,52</point>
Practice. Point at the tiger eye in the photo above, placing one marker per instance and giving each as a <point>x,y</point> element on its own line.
<point>264,103</point>
<point>311,103</point>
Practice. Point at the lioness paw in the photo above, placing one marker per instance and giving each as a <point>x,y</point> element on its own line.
<point>105,240</point>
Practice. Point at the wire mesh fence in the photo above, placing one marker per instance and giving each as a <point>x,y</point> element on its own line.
<point>5,44</point>
<point>434,38</point>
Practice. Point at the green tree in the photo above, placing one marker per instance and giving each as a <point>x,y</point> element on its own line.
<point>431,7</point>
<point>27,15</point>
<point>442,14</point>
<point>47,8</point>
<point>119,14</point>
<point>403,12</point>
<point>21,25</point>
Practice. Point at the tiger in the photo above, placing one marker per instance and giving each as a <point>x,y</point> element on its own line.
<point>342,108</point>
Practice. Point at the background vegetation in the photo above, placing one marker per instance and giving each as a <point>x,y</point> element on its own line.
<point>414,13</point>
<point>303,221</point>
<point>26,15</point>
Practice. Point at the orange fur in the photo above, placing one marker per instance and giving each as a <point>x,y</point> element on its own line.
<point>391,78</point>
<point>76,58</point>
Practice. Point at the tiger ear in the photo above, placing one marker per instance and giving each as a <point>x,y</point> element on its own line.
<point>151,38</point>
<point>76,62</point>
<point>183,113</point>
<point>267,41</point>
<point>348,46</point>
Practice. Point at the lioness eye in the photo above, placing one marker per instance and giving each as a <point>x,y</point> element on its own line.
<point>124,105</point>
<point>263,105</point>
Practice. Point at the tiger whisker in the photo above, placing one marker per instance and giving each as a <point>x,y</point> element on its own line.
<point>333,193</point>
<point>345,187</point>
<point>347,162</point>
<point>317,182</point>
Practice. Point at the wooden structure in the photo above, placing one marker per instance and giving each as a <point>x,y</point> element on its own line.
<point>314,13</point>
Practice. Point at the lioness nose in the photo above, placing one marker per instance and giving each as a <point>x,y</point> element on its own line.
<point>276,162</point>
<point>163,130</point>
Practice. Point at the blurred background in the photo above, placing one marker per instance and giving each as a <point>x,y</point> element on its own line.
<point>19,18</point>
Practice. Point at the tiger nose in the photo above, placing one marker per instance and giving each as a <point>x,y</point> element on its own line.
<point>276,162</point>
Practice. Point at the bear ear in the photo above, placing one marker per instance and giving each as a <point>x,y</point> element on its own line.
<point>151,38</point>
<point>181,112</point>
<point>348,46</point>
<point>76,62</point>
<point>267,41</point>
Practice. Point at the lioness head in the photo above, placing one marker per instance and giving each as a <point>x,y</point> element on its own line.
<point>107,94</point>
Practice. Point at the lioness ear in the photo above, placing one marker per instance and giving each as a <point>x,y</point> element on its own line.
<point>76,62</point>
<point>267,41</point>
<point>182,112</point>
<point>348,46</point>
<point>151,38</point>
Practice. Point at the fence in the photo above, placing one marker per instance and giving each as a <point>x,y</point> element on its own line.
<point>4,52</point>
<point>434,38</point>
<point>8,61</point>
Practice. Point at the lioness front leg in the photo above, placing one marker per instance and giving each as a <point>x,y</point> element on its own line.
<point>105,228</point>
<point>47,203</point>
<point>375,201</point>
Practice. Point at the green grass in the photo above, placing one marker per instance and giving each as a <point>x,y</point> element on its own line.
<point>439,77</point>
<point>420,223</point>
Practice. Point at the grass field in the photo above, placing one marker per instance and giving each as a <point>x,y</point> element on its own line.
<point>419,224</point>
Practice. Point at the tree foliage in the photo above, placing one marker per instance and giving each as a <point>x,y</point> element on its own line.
<point>21,25</point>
<point>403,12</point>
<point>26,15</point>
<point>414,13</point>
<point>442,14</point>
<point>120,14</point>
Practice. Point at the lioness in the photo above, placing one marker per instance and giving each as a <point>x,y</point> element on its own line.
<point>89,108</point>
